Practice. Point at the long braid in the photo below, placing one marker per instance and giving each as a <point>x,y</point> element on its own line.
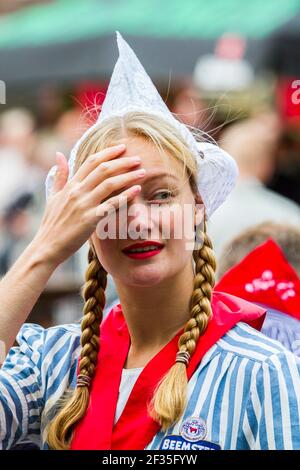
<point>170,397</point>
<point>93,292</point>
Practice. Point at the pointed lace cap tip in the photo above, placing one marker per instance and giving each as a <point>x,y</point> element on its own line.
<point>120,40</point>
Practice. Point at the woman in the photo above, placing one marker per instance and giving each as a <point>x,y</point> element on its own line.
<point>171,367</point>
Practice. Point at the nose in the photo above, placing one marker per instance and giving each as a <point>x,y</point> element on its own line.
<point>140,223</point>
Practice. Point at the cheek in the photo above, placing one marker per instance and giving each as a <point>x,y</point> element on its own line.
<point>179,251</point>
<point>107,253</point>
<point>177,225</point>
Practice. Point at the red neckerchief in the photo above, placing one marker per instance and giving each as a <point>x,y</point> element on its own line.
<point>264,276</point>
<point>135,429</point>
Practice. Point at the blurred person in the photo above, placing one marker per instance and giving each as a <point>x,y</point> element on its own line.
<point>189,107</point>
<point>30,169</point>
<point>49,103</point>
<point>251,143</point>
<point>41,160</point>
<point>17,138</point>
<point>262,265</point>
<point>14,228</point>
<point>46,144</point>
<point>147,368</point>
<point>69,127</point>
<point>16,142</point>
<point>17,127</point>
<point>287,236</point>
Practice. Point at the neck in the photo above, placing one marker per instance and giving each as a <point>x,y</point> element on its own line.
<point>155,314</point>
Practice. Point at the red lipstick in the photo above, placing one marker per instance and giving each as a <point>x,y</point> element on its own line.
<point>150,249</point>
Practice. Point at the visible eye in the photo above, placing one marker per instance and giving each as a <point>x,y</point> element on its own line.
<point>163,195</point>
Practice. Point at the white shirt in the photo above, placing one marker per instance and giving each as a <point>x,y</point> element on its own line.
<point>128,379</point>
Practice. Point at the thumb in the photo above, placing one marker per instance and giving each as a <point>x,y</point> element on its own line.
<point>62,173</point>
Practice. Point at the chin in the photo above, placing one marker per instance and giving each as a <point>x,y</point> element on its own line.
<point>144,279</point>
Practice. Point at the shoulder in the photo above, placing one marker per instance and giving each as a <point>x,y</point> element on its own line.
<point>57,336</point>
<point>246,342</point>
<point>259,356</point>
<point>243,348</point>
<point>47,354</point>
<point>30,332</point>
<point>256,366</point>
<point>38,340</point>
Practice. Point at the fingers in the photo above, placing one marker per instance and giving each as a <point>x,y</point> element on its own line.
<point>115,184</point>
<point>110,168</point>
<point>62,173</point>
<point>94,160</point>
<point>116,202</point>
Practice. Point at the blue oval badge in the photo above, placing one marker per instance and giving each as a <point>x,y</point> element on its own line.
<point>193,429</point>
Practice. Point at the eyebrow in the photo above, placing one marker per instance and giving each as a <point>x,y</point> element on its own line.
<point>159,175</point>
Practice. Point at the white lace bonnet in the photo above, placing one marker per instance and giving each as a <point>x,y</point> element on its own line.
<point>131,89</point>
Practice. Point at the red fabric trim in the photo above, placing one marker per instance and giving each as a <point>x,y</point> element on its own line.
<point>265,277</point>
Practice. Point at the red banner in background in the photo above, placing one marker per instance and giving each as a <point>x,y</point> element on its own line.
<point>288,100</point>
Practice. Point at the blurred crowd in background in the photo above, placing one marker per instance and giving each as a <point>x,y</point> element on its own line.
<point>246,118</point>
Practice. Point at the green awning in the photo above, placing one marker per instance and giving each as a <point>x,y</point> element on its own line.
<point>63,21</point>
<point>74,39</point>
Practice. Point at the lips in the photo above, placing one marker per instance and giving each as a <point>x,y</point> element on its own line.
<point>143,250</point>
<point>145,246</point>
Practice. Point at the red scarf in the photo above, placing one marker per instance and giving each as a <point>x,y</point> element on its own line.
<point>264,276</point>
<point>135,429</point>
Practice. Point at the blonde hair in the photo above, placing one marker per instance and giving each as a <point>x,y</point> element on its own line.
<point>169,400</point>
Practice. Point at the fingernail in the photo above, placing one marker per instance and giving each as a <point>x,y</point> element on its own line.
<point>120,147</point>
<point>59,158</point>
<point>59,155</point>
<point>136,189</point>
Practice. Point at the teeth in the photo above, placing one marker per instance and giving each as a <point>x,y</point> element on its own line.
<point>141,250</point>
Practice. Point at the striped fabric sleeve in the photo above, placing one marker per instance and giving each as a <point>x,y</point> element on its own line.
<point>20,387</point>
<point>274,404</point>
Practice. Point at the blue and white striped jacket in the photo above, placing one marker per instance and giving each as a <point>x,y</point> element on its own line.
<point>246,389</point>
